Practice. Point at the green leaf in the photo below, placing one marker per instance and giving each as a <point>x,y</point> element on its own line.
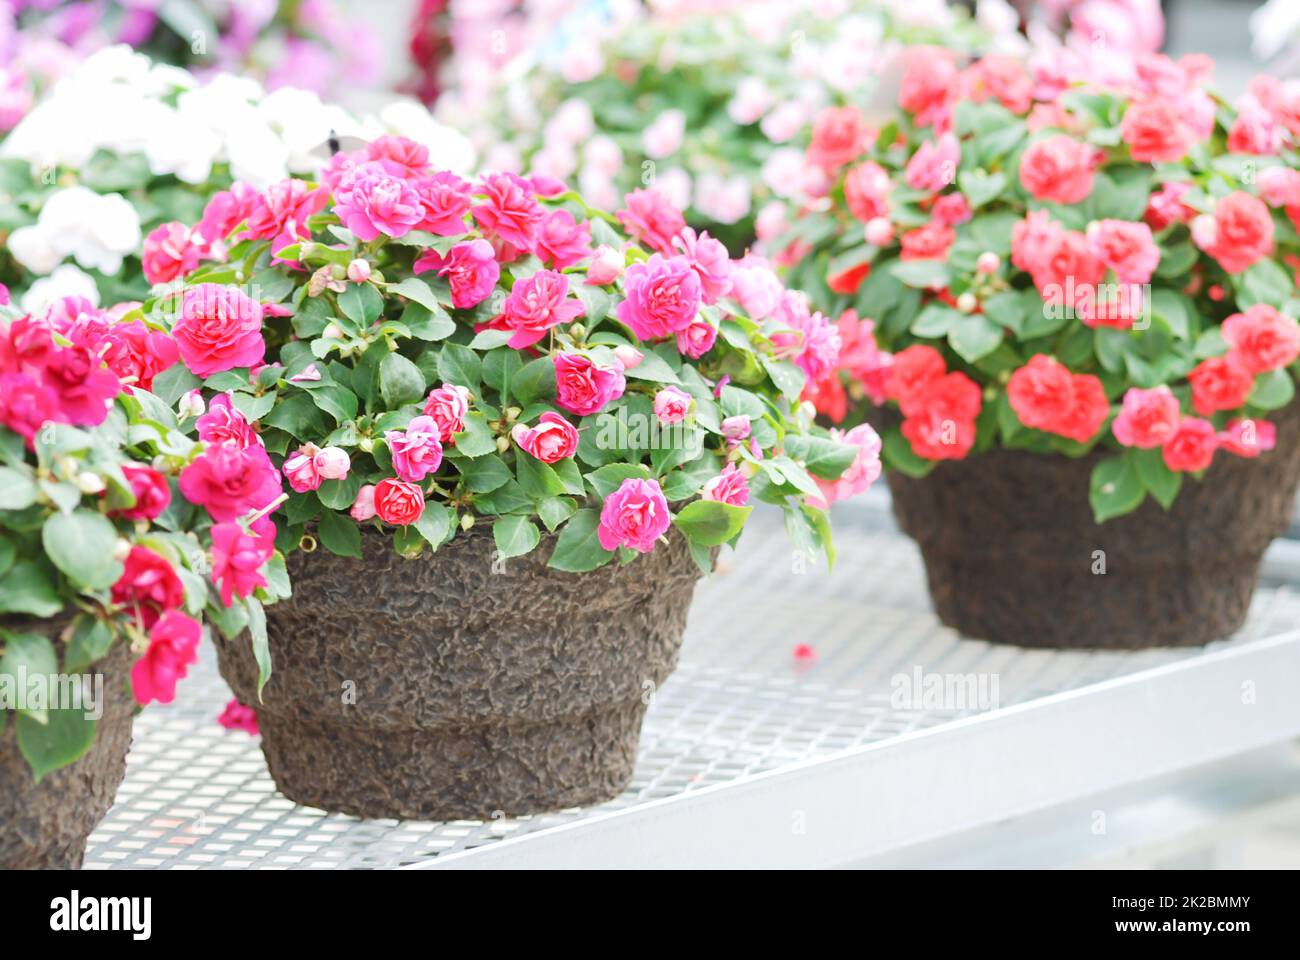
<point>339,535</point>
<point>62,739</point>
<point>340,494</point>
<point>261,643</point>
<point>553,511</point>
<point>536,381</point>
<point>653,368</point>
<point>1273,389</point>
<point>537,478</point>
<point>1114,488</point>
<point>91,641</point>
<point>578,549</point>
<point>899,455</point>
<point>170,385</point>
<point>974,336</point>
<point>17,489</point>
<point>1265,281</point>
<point>1157,479</point>
<point>922,274</point>
<point>461,366</point>
<point>710,523</point>
<point>400,381</point>
<point>483,474</point>
<point>413,288</point>
<point>610,477</point>
<point>26,588</point>
<point>821,456</point>
<point>934,321</point>
<point>515,536</point>
<point>434,524</point>
<point>81,544</point>
<point>361,303</point>
<point>428,323</point>
<point>28,655</point>
<point>477,439</point>
<point>500,367</point>
<point>980,187</point>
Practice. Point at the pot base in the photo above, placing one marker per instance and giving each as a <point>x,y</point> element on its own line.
<point>478,772</point>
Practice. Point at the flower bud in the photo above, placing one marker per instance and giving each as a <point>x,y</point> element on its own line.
<point>333,463</point>
<point>967,303</point>
<point>367,445</point>
<point>363,508</point>
<point>628,355</point>
<point>503,444</point>
<point>121,549</point>
<point>879,232</point>
<point>359,270</point>
<point>988,262</point>
<point>90,483</point>
<point>191,405</point>
<point>466,521</point>
<point>736,428</point>
<point>606,266</point>
<point>332,331</point>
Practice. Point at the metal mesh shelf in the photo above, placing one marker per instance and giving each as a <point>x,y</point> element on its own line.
<point>741,705</point>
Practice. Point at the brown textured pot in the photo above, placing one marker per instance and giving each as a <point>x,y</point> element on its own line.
<point>1010,546</point>
<point>45,825</point>
<point>479,692</point>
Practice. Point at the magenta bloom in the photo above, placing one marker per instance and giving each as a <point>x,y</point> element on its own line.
<point>730,486</point>
<point>301,470</point>
<point>697,339</point>
<point>446,199</point>
<point>226,211</point>
<point>231,482</point>
<point>83,385</point>
<point>663,297</point>
<point>152,493</point>
<point>813,341</point>
<point>710,261</point>
<point>236,716</point>
<point>562,241</point>
<point>280,215</point>
<point>553,439</point>
<point>148,586</point>
<point>584,388</point>
<point>370,201</point>
<point>509,212</point>
<point>219,329</point>
<point>237,559</point>
<point>168,253</point>
<point>651,218</point>
<point>536,304</point>
<point>26,404</point>
<point>417,452</point>
<point>224,423</point>
<point>137,353</point>
<point>471,270</point>
<point>635,515</point>
<point>173,646</point>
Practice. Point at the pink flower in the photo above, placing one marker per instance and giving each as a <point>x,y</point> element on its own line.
<point>1263,338</point>
<point>710,261</point>
<point>652,219</point>
<point>664,136</point>
<point>225,211</point>
<point>280,215</point>
<point>930,242</point>
<point>152,493</point>
<point>672,405</point>
<point>535,305</point>
<point>1255,130</point>
<point>223,423</point>
<point>371,202</point>
<point>168,253</point>
<point>219,329</point>
<point>84,388</point>
<point>231,481</point>
<point>333,463</point>
<point>1279,186</point>
<point>584,388</point>
<point>447,406</point>
<point>26,405</point>
<point>1058,169</point>
<point>879,232</point>
<point>237,559</point>
<point>1127,248</point>
<point>929,83</point>
<point>635,515</point>
<point>1248,438</point>
<point>1030,237</point>
<point>862,357</point>
<point>1155,132</point>
<point>300,469</point>
<point>173,647</point>
<point>1192,446</point>
<point>236,716</point>
<point>399,156</point>
<point>471,270</point>
<point>510,213</point>
<point>813,343</point>
<point>730,486</point>
<point>1243,233</point>
<point>1147,419</point>
<point>756,287</point>
<point>417,452</point>
<point>662,297</point>
<point>446,199</point>
<point>838,137</point>
<point>553,439</point>
<point>934,165</point>
<point>148,586</point>
<point>736,428</point>
<point>562,241</point>
<point>359,270</point>
<point>629,356</point>
<point>861,474</point>
<point>1220,383</point>
<point>606,266</point>
<point>1166,206</point>
<point>866,191</point>
<point>398,502</point>
<point>363,508</point>
<point>137,353</point>
<point>697,339</point>
<point>951,210</point>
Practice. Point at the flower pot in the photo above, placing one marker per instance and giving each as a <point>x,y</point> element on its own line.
<point>45,825</point>
<point>455,687</point>
<point>1012,553</point>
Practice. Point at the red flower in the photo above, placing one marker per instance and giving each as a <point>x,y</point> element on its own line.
<point>152,493</point>
<point>1220,383</point>
<point>1046,396</point>
<point>848,281</point>
<point>1192,446</point>
<point>1262,338</point>
<point>148,587</point>
<point>912,371</point>
<point>930,242</point>
<point>173,646</point>
<point>398,502</point>
<point>137,353</point>
<point>838,136</point>
<point>941,425</point>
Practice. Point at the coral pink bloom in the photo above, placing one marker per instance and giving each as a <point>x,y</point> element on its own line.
<point>219,329</point>
<point>934,165</point>
<point>225,211</point>
<point>635,515</point>
<point>1192,446</point>
<point>1248,438</point>
<point>553,439</point>
<point>1127,248</point>
<point>1147,419</point>
<point>1030,237</point>
<point>1220,383</point>
<point>168,253</point>
<point>866,192</point>
<point>730,486</point>
<point>237,559</point>
<point>148,586</point>
<point>398,502</point>
<point>839,136</point>
<point>137,353</point>
<point>447,405</point>
<point>1058,169</point>
<point>1243,232</point>
<point>940,421</point>
<point>535,305</point>
<point>651,218</point>
<point>930,242</point>
<point>929,83</point>
<point>1263,338</point>
<point>1045,395</point>
<point>280,215</point>
<point>1155,132</point>
<point>471,270</point>
<point>173,647</point>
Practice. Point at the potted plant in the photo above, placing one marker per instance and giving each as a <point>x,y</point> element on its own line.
<point>104,567</point>
<point>515,439</point>
<point>1076,304</point>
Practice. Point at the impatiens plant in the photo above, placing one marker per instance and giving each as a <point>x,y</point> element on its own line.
<point>430,354</point>
<point>710,102</point>
<point>100,543</point>
<point>1054,268</point>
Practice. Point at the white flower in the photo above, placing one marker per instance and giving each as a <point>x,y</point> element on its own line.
<point>35,249</point>
<point>448,149</point>
<point>66,281</point>
<point>723,199</point>
<point>98,230</point>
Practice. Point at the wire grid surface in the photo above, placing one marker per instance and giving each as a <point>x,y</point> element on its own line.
<point>741,702</point>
